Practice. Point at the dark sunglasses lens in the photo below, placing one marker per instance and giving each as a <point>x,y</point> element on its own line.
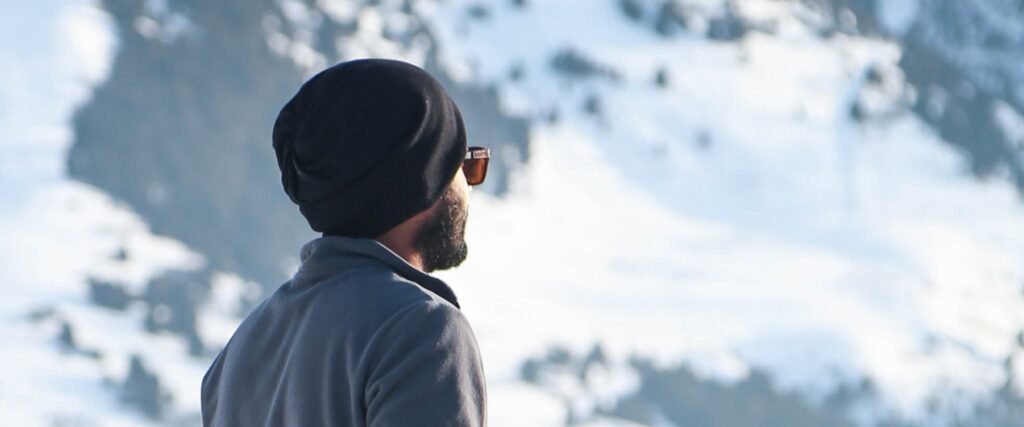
<point>475,170</point>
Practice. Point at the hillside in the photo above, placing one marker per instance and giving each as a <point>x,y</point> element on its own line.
<point>705,213</point>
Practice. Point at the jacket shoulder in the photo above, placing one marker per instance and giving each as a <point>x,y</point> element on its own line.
<point>425,369</point>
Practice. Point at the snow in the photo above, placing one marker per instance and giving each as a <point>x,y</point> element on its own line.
<point>299,49</point>
<point>64,234</point>
<point>737,219</point>
<point>507,400</point>
<point>159,22</point>
<point>1011,122</point>
<point>897,16</point>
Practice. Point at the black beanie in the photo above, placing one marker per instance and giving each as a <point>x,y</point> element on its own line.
<point>367,144</point>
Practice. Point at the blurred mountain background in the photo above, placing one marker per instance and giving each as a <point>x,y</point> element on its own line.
<point>701,212</point>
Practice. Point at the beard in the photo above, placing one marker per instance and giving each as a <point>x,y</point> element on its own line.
<point>441,239</point>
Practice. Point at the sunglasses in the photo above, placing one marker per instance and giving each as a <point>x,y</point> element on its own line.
<point>475,165</point>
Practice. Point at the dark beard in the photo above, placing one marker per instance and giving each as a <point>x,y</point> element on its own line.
<point>441,239</point>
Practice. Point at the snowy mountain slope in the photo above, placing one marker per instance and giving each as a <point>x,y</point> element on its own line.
<point>68,361</point>
<point>734,219</point>
<point>799,241</point>
<point>65,360</point>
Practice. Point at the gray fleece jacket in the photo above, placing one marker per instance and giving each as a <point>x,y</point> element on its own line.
<point>358,337</point>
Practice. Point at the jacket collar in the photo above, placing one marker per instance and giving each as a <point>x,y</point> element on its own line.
<point>337,253</point>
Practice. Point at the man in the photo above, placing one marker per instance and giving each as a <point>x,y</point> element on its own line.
<point>374,154</point>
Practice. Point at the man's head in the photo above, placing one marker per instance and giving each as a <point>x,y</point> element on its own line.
<point>374,148</point>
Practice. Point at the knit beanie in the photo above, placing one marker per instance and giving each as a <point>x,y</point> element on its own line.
<point>367,144</point>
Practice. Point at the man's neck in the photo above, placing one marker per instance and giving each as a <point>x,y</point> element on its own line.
<point>398,245</point>
<point>403,248</point>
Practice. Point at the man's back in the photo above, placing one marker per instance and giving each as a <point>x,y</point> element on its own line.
<point>358,337</point>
